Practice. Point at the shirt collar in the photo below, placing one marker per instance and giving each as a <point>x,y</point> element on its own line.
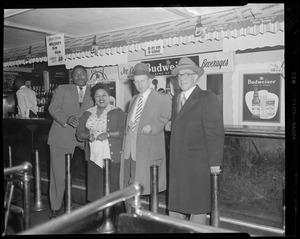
<point>146,93</point>
<point>83,87</point>
<point>188,92</point>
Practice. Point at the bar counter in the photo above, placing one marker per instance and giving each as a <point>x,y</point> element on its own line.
<point>255,131</point>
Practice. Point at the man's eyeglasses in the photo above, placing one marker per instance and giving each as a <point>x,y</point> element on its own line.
<point>185,74</point>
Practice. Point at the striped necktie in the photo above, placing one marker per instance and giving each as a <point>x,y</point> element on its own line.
<point>138,112</point>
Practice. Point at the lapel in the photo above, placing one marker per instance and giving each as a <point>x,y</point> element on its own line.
<point>150,104</point>
<point>86,97</point>
<point>75,93</point>
<point>191,101</point>
<point>131,107</point>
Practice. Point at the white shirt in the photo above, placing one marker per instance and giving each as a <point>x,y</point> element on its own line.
<point>26,101</point>
<point>188,92</point>
<point>145,97</point>
<point>83,89</point>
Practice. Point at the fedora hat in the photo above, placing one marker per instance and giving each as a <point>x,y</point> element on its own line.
<point>140,69</point>
<point>187,63</point>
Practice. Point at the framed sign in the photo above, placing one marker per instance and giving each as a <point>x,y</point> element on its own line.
<point>261,98</point>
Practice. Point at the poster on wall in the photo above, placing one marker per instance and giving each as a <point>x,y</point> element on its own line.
<point>55,49</point>
<point>105,75</point>
<point>261,98</point>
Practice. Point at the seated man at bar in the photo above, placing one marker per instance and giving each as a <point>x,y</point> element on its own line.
<point>102,128</point>
<point>196,146</point>
<point>68,103</point>
<point>27,102</point>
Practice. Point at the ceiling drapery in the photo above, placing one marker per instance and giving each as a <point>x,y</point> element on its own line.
<point>248,20</point>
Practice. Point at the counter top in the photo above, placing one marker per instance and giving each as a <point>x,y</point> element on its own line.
<point>255,131</point>
<point>230,130</point>
<point>39,121</point>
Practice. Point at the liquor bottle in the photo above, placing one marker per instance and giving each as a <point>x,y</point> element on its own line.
<point>255,104</point>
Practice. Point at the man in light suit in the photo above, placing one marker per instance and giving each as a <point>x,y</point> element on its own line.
<point>196,146</point>
<point>68,104</point>
<point>144,141</point>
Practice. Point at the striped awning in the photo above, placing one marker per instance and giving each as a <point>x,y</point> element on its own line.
<point>248,20</point>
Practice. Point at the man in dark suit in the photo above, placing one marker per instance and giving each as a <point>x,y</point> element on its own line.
<point>68,104</point>
<point>196,146</point>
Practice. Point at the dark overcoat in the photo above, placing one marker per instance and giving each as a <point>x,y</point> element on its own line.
<point>197,140</point>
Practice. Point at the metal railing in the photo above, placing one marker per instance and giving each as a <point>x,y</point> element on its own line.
<point>24,170</point>
<point>154,188</point>
<point>68,182</point>
<point>181,224</point>
<point>67,220</point>
<point>38,203</point>
<point>108,225</point>
<point>215,210</point>
<point>60,223</point>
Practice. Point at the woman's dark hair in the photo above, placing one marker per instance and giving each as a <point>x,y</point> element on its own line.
<point>100,86</point>
<point>19,81</point>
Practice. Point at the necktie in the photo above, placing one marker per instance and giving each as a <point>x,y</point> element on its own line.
<point>182,101</point>
<point>138,112</point>
<point>80,94</point>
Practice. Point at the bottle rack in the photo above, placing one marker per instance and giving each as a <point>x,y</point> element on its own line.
<point>43,98</point>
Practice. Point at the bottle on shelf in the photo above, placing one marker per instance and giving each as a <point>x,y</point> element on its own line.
<point>255,104</point>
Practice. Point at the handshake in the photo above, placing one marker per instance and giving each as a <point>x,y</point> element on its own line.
<point>73,121</point>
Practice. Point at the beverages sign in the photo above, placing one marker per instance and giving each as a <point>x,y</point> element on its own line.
<point>216,62</point>
<point>55,49</point>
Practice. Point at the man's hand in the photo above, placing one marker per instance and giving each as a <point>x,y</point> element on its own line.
<point>102,136</point>
<point>73,121</point>
<point>215,169</point>
<point>168,126</point>
<point>92,138</point>
<point>147,129</point>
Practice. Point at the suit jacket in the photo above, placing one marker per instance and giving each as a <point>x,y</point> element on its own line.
<point>150,149</point>
<point>197,140</point>
<point>64,103</point>
<point>116,120</point>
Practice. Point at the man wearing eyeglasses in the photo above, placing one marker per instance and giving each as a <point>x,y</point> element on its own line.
<point>196,145</point>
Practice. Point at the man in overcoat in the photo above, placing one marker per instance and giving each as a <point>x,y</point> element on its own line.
<point>68,103</point>
<point>144,140</point>
<point>196,145</point>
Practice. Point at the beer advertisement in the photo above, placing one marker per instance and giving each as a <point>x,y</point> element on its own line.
<point>261,97</point>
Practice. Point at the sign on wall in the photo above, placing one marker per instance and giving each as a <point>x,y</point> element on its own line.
<point>125,70</point>
<point>261,97</point>
<point>154,48</point>
<point>55,49</point>
<point>164,66</point>
<point>218,62</point>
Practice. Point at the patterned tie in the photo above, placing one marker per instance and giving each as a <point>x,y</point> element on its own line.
<point>138,112</point>
<point>182,101</point>
<point>80,96</point>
